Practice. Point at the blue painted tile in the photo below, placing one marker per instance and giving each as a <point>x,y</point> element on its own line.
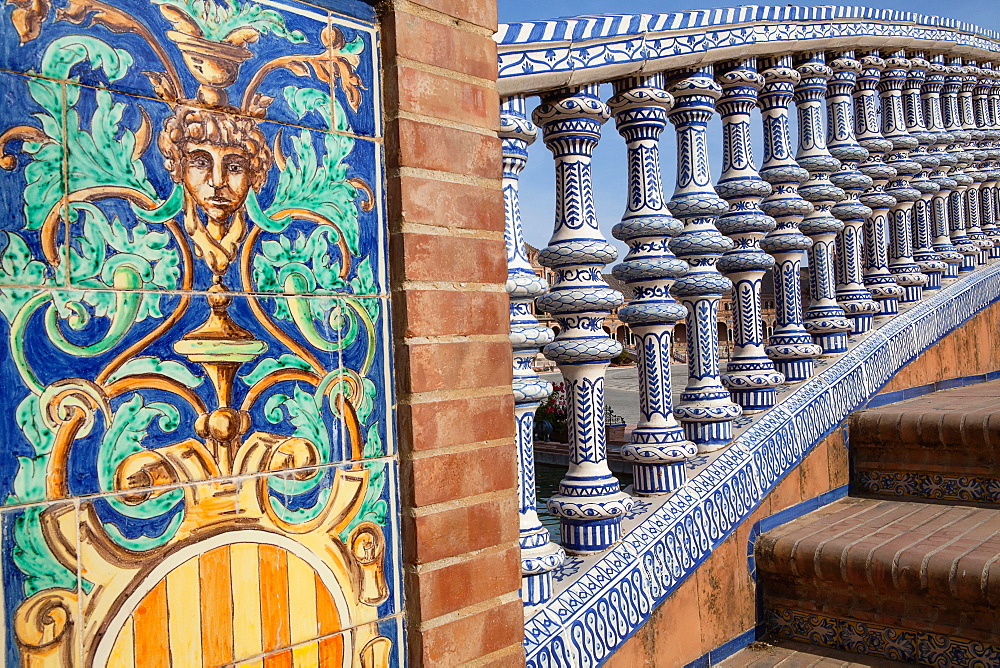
<point>31,185</point>
<point>276,61</point>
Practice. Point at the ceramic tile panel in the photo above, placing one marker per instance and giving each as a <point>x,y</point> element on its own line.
<point>194,341</point>
<point>32,237</point>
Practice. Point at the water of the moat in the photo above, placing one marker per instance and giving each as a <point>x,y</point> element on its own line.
<point>547,479</point>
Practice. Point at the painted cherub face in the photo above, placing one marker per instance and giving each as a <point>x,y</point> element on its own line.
<point>218,178</point>
<point>218,158</point>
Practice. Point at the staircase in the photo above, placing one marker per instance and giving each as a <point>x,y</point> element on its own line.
<point>908,567</point>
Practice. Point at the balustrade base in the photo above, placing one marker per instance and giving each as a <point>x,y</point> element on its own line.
<point>590,536</point>
<point>536,589</point>
<point>710,436</point>
<point>653,479</point>
<point>833,343</point>
<point>933,281</point>
<point>983,257</point>
<point>795,370</point>
<point>951,271</point>
<point>889,306</point>
<point>861,322</point>
<point>968,264</point>
<point>754,401</point>
<point>995,253</point>
<point>912,293</point>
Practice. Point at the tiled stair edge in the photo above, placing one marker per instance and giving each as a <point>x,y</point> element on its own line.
<point>604,605</point>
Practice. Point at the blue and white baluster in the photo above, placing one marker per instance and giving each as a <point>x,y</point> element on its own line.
<point>901,264</point>
<point>930,263</point>
<point>790,345</point>
<point>590,503</point>
<point>931,98</point>
<point>824,318</point>
<point>705,408</point>
<point>539,556</point>
<point>973,221</point>
<point>878,279</point>
<point>658,449</point>
<point>852,295</point>
<point>750,374</point>
<point>956,201</point>
<point>994,105</point>
<point>989,166</point>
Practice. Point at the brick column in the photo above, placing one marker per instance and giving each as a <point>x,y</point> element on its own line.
<point>453,359</point>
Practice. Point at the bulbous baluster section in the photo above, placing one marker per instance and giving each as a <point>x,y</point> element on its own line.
<point>824,318</point>
<point>930,95</point>
<point>750,374</point>
<point>973,216</point>
<point>705,408</point>
<point>956,201</point>
<point>790,345</point>
<point>878,279</point>
<point>852,295</point>
<point>901,264</point>
<point>658,449</point>
<point>990,167</point>
<point>927,259</point>
<point>539,556</point>
<point>590,503</point>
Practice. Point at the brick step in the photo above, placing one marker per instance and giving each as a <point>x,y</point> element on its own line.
<point>944,446</point>
<point>905,581</point>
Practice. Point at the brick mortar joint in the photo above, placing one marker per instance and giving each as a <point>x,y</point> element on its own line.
<point>495,391</point>
<point>484,130</point>
<point>448,286</point>
<point>406,228</point>
<point>469,611</point>
<point>414,9</point>
<point>458,449</point>
<point>456,504</point>
<point>445,177</point>
<point>465,557</point>
<point>454,75</point>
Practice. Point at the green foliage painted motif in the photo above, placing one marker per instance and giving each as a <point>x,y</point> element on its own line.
<point>218,21</point>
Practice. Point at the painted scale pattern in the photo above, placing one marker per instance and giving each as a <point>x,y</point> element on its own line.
<point>199,463</point>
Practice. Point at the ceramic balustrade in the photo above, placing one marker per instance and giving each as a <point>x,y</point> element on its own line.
<point>896,162</point>
<point>930,263</point>
<point>824,318</point>
<point>790,345</point>
<point>539,555</point>
<point>956,201</point>
<point>989,167</point>
<point>878,279</point>
<point>852,295</point>
<point>658,449</point>
<point>930,96</point>
<point>705,408</point>
<point>750,375</point>
<point>590,503</point>
<point>901,265</point>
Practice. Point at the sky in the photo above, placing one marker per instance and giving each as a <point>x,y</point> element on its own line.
<point>537,180</point>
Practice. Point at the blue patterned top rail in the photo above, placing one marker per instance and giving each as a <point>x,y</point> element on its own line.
<point>540,55</point>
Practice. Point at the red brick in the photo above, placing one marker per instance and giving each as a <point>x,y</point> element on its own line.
<point>424,145</point>
<point>470,637</point>
<point>449,533</point>
<point>447,477</point>
<point>445,204</point>
<point>480,12</point>
<point>431,94</point>
<point>460,365</point>
<point>441,257</point>
<point>441,424</point>
<point>416,38</point>
<point>505,659</point>
<point>466,583</point>
<point>456,312</point>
